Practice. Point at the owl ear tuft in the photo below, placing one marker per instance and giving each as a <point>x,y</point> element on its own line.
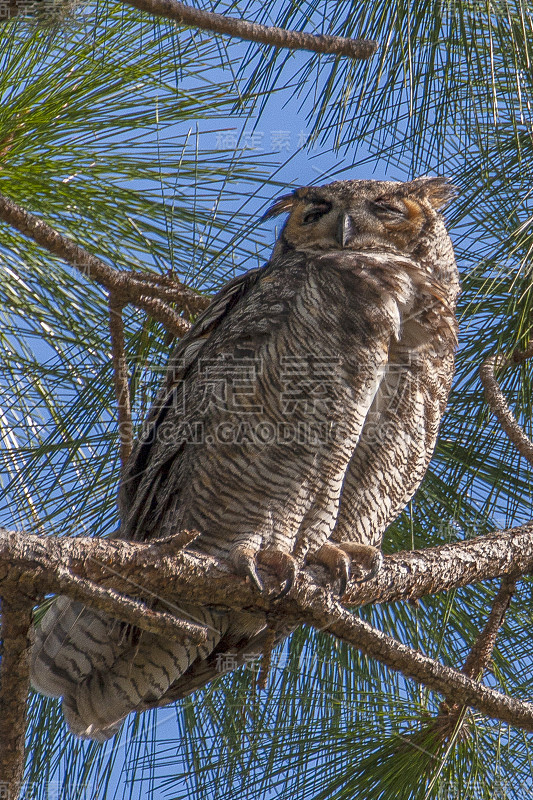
<point>439,191</point>
<point>280,206</point>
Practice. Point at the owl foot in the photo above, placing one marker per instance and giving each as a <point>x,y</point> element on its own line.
<point>244,561</point>
<point>337,563</point>
<point>365,560</point>
<point>348,560</point>
<point>281,564</point>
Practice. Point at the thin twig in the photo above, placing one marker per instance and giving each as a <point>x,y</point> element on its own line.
<point>253,32</point>
<point>497,402</point>
<point>328,614</point>
<point>159,310</point>
<point>120,378</point>
<point>14,687</point>
<point>449,721</point>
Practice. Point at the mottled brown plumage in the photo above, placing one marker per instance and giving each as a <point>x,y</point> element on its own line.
<point>297,418</point>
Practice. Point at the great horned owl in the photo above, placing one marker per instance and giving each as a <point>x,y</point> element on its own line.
<point>297,418</point>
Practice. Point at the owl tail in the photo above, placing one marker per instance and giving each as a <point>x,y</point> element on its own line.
<point>103,670</point>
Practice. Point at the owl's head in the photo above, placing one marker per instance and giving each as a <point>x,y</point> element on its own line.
<point>362,215</point>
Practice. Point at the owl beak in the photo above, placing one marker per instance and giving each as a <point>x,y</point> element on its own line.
<point>344,229</point>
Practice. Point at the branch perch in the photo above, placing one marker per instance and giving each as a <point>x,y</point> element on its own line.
<point>411,575</point>
<point>160,568</point>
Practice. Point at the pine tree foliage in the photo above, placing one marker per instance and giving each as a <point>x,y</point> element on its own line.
<point>107,128</point>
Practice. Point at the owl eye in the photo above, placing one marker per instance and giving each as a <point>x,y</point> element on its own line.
<point>384,208</point>
<point>317,212</point>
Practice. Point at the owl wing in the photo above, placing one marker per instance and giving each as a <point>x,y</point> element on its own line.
<point>187,349</point>
<point>87,657</point>
<point>184,358</point>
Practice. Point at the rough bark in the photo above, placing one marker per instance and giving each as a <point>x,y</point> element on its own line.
<point>411,575</point>
<point>161,567</point>
<point>415,665</point>
<point>14,684</point>
<point>480,655</point>
<point>113,574</point>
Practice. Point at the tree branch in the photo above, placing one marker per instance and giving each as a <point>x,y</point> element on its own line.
<point>163,313</point>
<point>413,574</point>
<point>126,609</point>
<point>15,684</point>
<point>120,378</point>
<point>253,32</point>
<point>450,719</point>
<point>160,568</point>
<point>420,668</point>
<point>480,655</point>
<point>128,287</point>
<point>497,402</point>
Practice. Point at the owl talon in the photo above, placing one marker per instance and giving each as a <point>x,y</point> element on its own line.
<point>366,561</point>
<point>344,577</point>
<point>254,577</point>
<point>378,563</point>
<point>347,560</point>
<point>244,561</point>
<point>336,562</point>
<point>281,564</point>
<point>284,567</point>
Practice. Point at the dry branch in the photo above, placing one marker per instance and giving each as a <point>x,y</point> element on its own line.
<point>127,609</point>
<point>480,655</point>
<point>126,286</point>
<point>429,672</point>
<point>253,32</point>
<point>449,721</point>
